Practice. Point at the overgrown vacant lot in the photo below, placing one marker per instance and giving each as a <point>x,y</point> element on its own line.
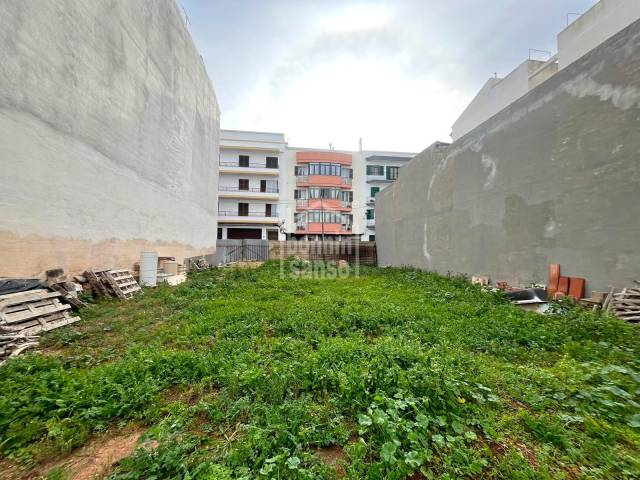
<point>393,374</point>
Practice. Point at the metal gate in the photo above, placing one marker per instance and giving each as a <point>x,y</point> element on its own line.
<point>243,250</point>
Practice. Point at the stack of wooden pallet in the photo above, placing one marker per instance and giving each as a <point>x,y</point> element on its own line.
<point>24,315</point>
<point>625,305</point>
<point>107,283</point>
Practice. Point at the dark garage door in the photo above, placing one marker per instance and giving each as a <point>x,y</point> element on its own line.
<point>244,233</point>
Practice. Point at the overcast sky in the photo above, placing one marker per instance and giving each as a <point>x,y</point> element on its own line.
<point>395,72</point>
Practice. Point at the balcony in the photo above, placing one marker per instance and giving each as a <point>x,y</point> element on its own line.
<point>323,181</point>
<point>247,168</point>
<point>378,178</point>
<point>371,222</point>
<point>371,200</point>
<point>233,216</point>
<point>326,228</point>
<point>324,204</point>
<point>270,193</point>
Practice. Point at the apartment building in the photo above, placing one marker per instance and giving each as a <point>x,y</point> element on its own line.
<point>599,23</point>
<point>322,195</point>
<point>381,170</point>
<point>249,187</point>
<point>268,190</point>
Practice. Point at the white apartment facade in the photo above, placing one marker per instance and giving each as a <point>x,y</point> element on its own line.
<point>250,185</point>
<point>270,191</point>
<point>601,22</point>
<point>381,170</point>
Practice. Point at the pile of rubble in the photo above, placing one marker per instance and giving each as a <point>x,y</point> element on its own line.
<point>24,315</point>
<point>29,307</point>
<point>624,304</point>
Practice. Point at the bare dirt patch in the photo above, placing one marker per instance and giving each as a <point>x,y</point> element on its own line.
<point>527,453</point>
<point>332,456</point>
<point>97,459</point>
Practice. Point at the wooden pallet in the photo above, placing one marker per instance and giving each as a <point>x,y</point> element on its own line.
<point>626,304</point>
<point>24,315</point>
<point>121,283</point>
<point>99,289</point>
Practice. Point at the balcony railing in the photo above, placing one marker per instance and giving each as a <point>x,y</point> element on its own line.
<point>305,179</point>
<point>371,200</point>
<point>304,226</point>
<point>224,188</point>
<point>304,203</point>
<point>230,213</point>
<point>246,165</point>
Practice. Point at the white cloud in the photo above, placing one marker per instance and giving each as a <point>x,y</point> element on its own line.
<point>346,97</point>
<point>396,73</point>
<point>357,17</point>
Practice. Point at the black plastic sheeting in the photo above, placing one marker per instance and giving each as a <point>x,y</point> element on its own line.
<point>539,294</point>
<point>15,285</point>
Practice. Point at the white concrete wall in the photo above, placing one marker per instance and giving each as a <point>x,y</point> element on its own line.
<point>359,195</point>
<point>109,132</point>
<point>602,21</point>
<point>287,202</point>
<point>493,97</point>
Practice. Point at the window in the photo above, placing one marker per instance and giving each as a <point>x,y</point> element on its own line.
<point>346,196</point>
<point>374,190</point>
<point>300,194</point>
<point>243,161</point>
<point>219,233</point>
<point>267,210</point>
<point>272,162</point>
<point>332,169</point>
<point>392,173</point>
<point>243,209</point>
<point>325,193</point>
<point>301,171</point>
<point>347,172</point>
<point>271,186</point>
<point>370,214</point>
<point>372,238</point>
<point>272,235</point>
<point>316,216</point>
<point>243,184</point>
<point>375,170</point>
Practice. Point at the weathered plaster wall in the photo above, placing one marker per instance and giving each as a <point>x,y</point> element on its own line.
<point>108,135</point>
<point>555,177</point>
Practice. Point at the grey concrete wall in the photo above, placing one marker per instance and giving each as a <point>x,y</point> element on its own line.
<point>555,177</point>
<point>108,135</point>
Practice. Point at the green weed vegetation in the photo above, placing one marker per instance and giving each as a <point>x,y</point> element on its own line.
<point>395,373</point>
